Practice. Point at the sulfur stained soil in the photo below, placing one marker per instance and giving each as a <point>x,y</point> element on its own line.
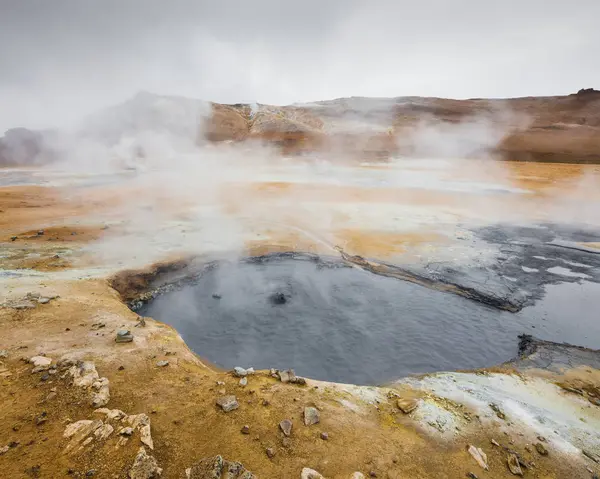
<point>364,434</point>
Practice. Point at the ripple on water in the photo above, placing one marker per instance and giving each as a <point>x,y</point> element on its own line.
<point>348,325</point>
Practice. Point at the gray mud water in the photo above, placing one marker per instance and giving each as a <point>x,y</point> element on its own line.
<point>348,325</point>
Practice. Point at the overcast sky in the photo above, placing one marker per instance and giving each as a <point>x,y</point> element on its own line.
<point>62,59</point>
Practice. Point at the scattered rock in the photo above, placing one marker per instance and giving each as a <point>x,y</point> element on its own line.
<point>3,354</point>
<point>79,430</point>
<point>144,466</point>
<point>101,394</point>
<point>298,380</point>
<point>4,450</point>
<point>245,429</point>
<point>162,364</point>
<point>40,232</point>
<point>286,427</point>
<point>308,473</point>
<point>104,431</point>
<point>41,419</point>
<point>90,473</point>
<point>111,414</point>
<point>45,377</point>
<point>97,326</point>
<point>472,475</point>
<point>495,443</point>
<point>513,465</point>
<point>40,363</point>
<point>541,449</point>
<point>126,431</point>
<point>243,382</point>
<point>479,456</point>
<point>44,300</point>
<point>241,372</point>
<point>324,436</point>
<point>499,412</point>
<point>270,452</point>
<point>146,436</point>
<point>311,416</point>
<point>124,336</point>
<point>13,238</point>
<point>228,403</point>
<point>357,475</point>
<point>407,405</point>
<point>216,468</point>
<point>286,376</point>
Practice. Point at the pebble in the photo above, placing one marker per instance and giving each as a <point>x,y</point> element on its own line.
<point>286,427</point>
<point>513,465</point>
<point>44,300</point>
<point>3,353</point>
<point>4,450</point>
<point>228,403</point>
<point>308,473</point>
<point>163,363</point>
<point>270,452</point>
<point>245,429</point>
<point>472,475</point>
<point>357,475</point>
<point>324,436</point>
<point>45,377</point>
<point>407,405</point>
<point>479,456</point>
<point>241,372</point>
<point>541,449</point>
<point>124,336</point>
<point>495,443</point>
<point>243,381</point>
<point>90,473</point>
<point>311,416</point>
<point>126,431</point>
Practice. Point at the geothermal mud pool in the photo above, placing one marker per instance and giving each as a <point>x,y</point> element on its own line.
<point>334,322</point>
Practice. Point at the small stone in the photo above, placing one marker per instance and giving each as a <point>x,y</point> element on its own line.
<point>144,466</point>
<point>541,438</point>
<point>407,405</point>
<point>286,376</point>
<point>286,427</point>
<point>357,475</point>
<point>126,431</point>
<point>513,465</point>
<point>479,456</point>
<point>245,429</point>
<point>240,372</point>
<point>40,232</point>
<point>44,300</point>
<point>472,475</point>
<point>499,412</point>
<point>228,403</point>
<point>270,452</point>
<point>3,353</point>
<point>311,416</point>
<point>372,474</point>
<point>40,363</point>
<point>121,368</point>
<point>13,238</point>
<point>265,402</point>
<point>163,363</point>
<point>298,380</point>
<point>308,473</point>
<point>495,443</point>
<point>4,450</point>
<point>90,473</point>
<point>243,382</point>
<point>324,436</point>
<point>541,449</point>
<point>41,419</point>
<point>45,377</point>
<point>216,296</point>
<point>124,336</point>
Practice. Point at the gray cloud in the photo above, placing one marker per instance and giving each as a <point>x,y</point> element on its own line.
<point>60,60</point>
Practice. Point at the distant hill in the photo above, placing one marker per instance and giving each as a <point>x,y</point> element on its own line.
<point>554,129</point>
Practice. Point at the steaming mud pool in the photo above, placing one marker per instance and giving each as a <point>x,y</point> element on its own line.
<point>333,322</point>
